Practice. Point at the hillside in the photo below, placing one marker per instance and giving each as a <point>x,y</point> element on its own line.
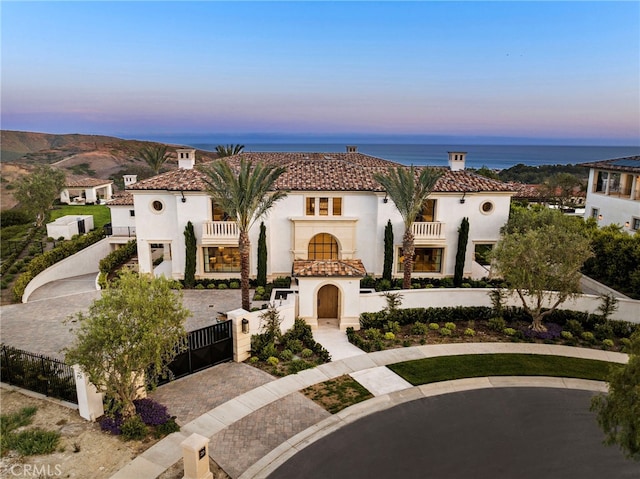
<point>84,155</point>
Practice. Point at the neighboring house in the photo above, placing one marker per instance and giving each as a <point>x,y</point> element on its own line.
<point>613,193</point>
<point>84,190</point>
<point>335,211</point>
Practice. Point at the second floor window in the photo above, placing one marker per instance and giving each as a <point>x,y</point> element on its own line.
<point>428,213</point>
<point>218,214</point>
<point>323,206</point>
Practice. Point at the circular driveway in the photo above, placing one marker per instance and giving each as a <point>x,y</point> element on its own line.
<point>524,433</point>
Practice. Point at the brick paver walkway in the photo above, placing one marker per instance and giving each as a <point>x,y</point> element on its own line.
<point>191,396</point>
<point>238,446</point>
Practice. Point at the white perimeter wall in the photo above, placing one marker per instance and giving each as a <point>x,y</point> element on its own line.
<point>628,309</point>
<point>84,262</point>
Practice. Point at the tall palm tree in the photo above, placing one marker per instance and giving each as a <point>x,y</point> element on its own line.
<point>408,189</point>
<point>228,150</point>
<point>245,195</point>
<point>155,156</point>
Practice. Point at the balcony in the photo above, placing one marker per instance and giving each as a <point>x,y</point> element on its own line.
<point>430,230</point>
<point>220,232</point>
<point>120,231</point>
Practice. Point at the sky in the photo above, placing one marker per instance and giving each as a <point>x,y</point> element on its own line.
<point>421,69</point>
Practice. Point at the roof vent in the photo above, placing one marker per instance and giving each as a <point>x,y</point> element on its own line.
<point>352,149</point>
<point>130,179</point>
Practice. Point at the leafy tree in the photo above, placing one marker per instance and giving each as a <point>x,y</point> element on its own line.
<point>229,150</point>
<point>190,255</point>
<point>262,256</point>
<point>134,327</point>
<point>618,412</point>
<point>560,188</point>
<point>487,173</point>
<point>408,188</point>
<point>245,196</point>
<point>540,255</point>
<point>155,156</point>
<point>461,254</point>
<point>37,191</point>
<point>616,259</point>
<point>388,251</point>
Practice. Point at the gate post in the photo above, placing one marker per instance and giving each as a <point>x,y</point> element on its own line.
<point>195,455</point>
<point>90,404</point>
<point>241,341</point>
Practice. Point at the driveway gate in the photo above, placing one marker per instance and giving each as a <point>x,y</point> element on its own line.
<point>206,347</point>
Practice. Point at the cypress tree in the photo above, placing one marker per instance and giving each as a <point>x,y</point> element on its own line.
<point>388,251</point>
<point>463,238</point>
<point>262,256</point>
<point>190,257</point>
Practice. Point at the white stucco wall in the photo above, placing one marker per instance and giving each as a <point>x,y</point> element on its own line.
<point>84,262</point>
<point>628,310</point>
<point>614,210</point>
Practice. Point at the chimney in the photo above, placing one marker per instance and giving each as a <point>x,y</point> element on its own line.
<point>129,180</point>
<point>352,149</point>
<point>186,158</point>
<point>456,160</point>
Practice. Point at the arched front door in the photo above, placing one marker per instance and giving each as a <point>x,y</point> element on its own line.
<point>328,301</point>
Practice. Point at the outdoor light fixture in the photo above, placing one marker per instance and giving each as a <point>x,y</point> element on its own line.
<point>184,200</point>
<point>599,217</point>
<point>385,199</point>
<point>245,326</point>
<point>626,225</point>
<point>462,200</point>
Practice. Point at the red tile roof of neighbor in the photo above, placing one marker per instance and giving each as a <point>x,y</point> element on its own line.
<point>630,164</point>
<point>325,268</point>
<point>321,172</point>
<point>84,182</point>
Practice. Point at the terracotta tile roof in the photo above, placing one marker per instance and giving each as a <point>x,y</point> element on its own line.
<point>84,182</point>
<point>322,172</point>
<point>629,164</point>
<point>121,199</point>
<point>329,268</point>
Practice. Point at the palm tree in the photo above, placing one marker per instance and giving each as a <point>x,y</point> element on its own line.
<point>154,156</point>
<point>408,189</point>
<point>245,196</point>
<point>228,150</point>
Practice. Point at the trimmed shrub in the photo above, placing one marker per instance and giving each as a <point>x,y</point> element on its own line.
<point>497,324</point>
<point>234,285</point>
<point>392,327</point>
<point>607,343</point>
<point>419,328</point>
<point>450,326</point>
<point>134,429</point>
<point>286,355</point>
<point>389,335</point>
<point>273,360</point>
<point>434,326</point>
<point>567,335</point>
<point>306,353</point>
<point>588,336</point>
<point>445,332</point>
<point>509,331</point>
<point>574,327</point>
<point>469,332</point>
<point>222,286</point>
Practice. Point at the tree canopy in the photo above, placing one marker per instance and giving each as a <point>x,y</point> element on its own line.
<point>228,150</point>
<point>245,195</point>
<point>408,188</point>
<point>37,191</point>
<point>134,328</point>
<point>540,255</point>
<point>155,156</point>
<point>618,412</point>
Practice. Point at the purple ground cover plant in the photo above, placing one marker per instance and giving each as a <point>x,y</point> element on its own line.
<point>151,412</point>
<point>553,332</point>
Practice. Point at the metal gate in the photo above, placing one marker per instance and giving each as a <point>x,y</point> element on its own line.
<point>206,347</point>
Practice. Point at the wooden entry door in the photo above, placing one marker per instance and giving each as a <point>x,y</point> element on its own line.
<point>328,301</point>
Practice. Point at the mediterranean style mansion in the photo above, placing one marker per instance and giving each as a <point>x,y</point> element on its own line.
<point>331,223</point>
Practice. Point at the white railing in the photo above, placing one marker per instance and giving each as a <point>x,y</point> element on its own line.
<point>428,230</point>
<point>219,230</point>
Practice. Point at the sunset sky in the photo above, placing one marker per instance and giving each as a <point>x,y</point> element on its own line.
<point>539,70</point>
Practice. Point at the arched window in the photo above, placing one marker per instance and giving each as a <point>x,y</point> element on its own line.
<point>323,246</point>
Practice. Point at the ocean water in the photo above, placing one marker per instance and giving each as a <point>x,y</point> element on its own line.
<point>491,156</point>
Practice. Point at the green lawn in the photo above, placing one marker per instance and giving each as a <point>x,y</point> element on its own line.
<point>424,371</point>
<point>101,214</point>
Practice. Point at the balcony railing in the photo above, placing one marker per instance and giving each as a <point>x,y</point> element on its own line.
<point>219,230</point>
<point>430,230</point>
<point>128,231</point>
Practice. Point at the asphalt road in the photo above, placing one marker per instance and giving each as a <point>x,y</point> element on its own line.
<point>523,433</point>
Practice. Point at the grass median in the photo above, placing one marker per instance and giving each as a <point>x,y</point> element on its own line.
<point>430,370</point>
